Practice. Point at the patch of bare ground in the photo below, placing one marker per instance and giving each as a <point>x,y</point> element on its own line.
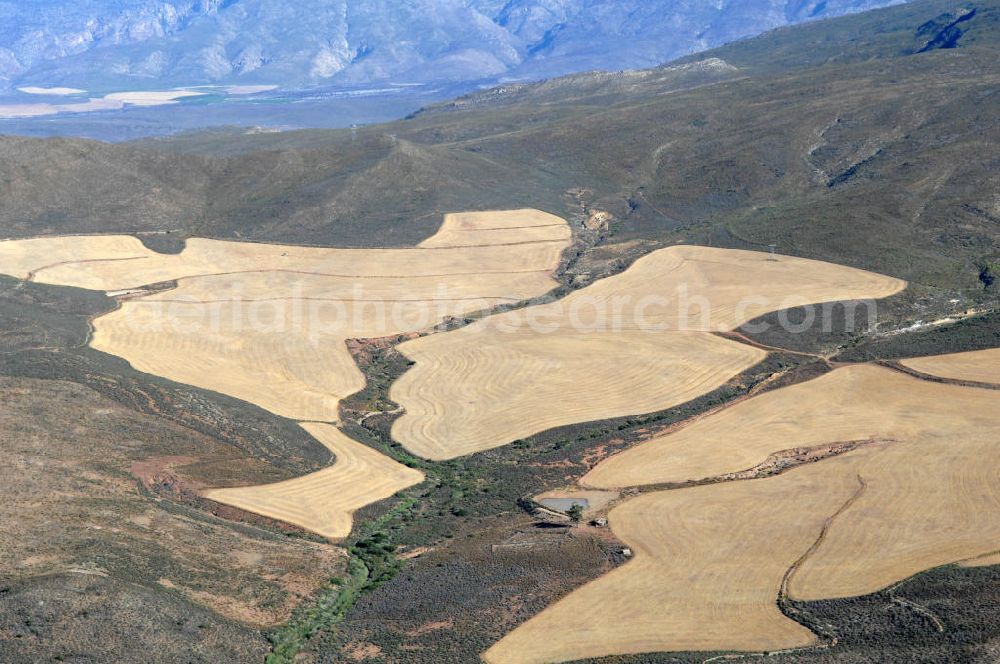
<point>433,626</point>
<point>360,652</point>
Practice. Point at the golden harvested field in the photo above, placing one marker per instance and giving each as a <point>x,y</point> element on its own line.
<point>467,245</point>
<point>324,501</point>
<point>468,393</point>
<point>629,344</point>
<point>981,366</point>
<point>850,404</point>
<point>704,576</point>
<point>988,560</point>
<point>281,372</point>
<point>922,490</point>
<point>268,323</point>
<point>464,229</point>
<point>24,258</point>
<point>287,355</point>
<point>702,289</point>
<point>931,499</point>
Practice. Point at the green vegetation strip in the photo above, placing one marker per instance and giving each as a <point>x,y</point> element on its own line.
<point>372,563</point>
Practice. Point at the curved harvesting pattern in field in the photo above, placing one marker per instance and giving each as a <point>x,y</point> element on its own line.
<point>854,403</point>
<point>920,489</point>
<point>324,501</point>
<point>25,258</point>
<point>981,366</point>
<point>241,335</point>
<point>117,262</point>
<point>469,393</point>
<point>629,344</point>
<point>705,575</point>
<point>930,497</point>
<point>268,323</point>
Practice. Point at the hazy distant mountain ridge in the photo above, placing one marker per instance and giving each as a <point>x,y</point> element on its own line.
<point>98,44</point>
<point>53,29</point>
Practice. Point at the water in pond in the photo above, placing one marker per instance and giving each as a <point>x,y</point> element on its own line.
<point>564,504</point>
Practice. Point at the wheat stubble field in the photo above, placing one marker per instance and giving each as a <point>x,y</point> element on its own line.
<point>467,243</point>
<point>630,344</point>
<point>268,324</point>
<point>324,501</point>
<point>686,588</point>
<point>981,366</point>
<point>917,489</point>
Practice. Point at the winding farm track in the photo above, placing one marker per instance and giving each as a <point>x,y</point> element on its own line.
<point>982,367</point>
<point>791,571</point>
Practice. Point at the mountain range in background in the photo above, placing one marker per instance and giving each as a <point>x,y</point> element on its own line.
<point>124,44</point>
<point>323,55</point>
